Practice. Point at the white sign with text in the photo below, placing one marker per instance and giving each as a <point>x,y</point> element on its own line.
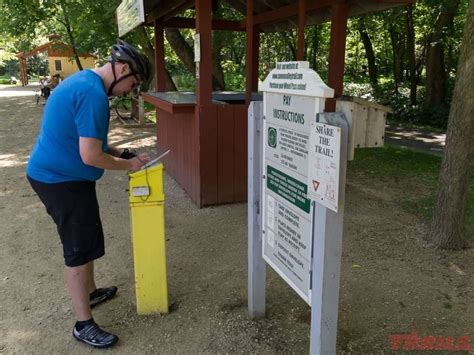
<point>324,164</point>
<point>293,94</point>
<point>130,14</point>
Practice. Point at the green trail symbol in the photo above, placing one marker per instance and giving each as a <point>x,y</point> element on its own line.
<point>272,137</point>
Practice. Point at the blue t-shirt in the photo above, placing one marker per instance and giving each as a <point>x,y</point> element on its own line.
<point>78,107</point>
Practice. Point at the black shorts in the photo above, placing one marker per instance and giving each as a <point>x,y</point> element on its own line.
<point>74,208</point>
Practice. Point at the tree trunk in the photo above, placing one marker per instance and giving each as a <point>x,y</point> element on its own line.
<point>169,85</point>
<point>436,88</point>
<point>182,48</point>
<point>289,39</point>
<point>314,48</point>
<point>397,52</point>
<point>143,38</point>
<point>72,42</point>
<point>369,52</point>
<point>218,82</point>
<point>419,64</point>
<point>186,55</point>
<point>410,30</point>
<point>447,226</point>
<point>236,54</point>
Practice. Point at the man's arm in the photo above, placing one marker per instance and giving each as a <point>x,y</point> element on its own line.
<point>91,153</point>
<point>116,152</point>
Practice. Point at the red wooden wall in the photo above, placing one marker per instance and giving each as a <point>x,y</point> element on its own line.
<point>178,132</point>
<point>208,155</point>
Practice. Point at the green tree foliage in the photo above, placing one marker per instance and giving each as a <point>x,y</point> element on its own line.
<point>86,25</point>
<point>393,44</point>
<point>402,67</point>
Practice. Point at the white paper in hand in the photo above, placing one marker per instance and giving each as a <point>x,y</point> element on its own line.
<point>155,161</point>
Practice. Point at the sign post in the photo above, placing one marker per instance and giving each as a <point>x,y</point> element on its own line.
<point>301,195</point>
<point>256,265</point>
<point>327,229</point>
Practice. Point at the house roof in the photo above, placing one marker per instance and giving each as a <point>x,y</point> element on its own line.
<point>275,15</point>
<point>54,49</point>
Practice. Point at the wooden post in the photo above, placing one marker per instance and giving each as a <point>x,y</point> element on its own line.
<point>337,52</point>
<point>160,74</point>
<point>23,71</point>
<point>141,111</point>
<point>256,58</point>
<point>204,66</point>
<point>301,26</point>
<point>249,58</point>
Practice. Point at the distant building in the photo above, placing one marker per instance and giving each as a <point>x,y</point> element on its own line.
<point>60,59</point>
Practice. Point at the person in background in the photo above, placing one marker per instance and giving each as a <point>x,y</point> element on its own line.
<point>43,85</point>
<point>51,84</point>
<point>70,154</point>
<point>54,81</point>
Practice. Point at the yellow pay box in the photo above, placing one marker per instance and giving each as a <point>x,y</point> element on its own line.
<point>147,219</point>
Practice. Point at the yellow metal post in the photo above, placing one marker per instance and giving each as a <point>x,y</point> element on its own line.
<point>148,235</point>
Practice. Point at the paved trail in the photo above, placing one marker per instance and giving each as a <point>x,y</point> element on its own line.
<point>417,139</point>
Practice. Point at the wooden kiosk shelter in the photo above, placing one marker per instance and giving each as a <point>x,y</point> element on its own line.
<point>22,57</point>
<point>206,131</point>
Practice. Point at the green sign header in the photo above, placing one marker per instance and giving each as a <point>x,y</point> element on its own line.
<point>289,188</point>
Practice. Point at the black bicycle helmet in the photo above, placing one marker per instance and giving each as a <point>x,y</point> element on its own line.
<point>126,53</point>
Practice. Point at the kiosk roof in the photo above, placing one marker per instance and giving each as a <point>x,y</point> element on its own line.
<point>275,15</point>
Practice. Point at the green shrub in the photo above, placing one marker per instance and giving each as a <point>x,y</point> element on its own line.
<point>185,82</point>
<point>234,81</point>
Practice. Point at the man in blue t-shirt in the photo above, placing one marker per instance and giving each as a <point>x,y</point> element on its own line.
<point>70,154</point>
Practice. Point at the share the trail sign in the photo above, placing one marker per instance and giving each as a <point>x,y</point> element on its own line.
<point>324,164</point>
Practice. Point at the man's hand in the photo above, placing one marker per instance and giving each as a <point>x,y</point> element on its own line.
<point>91,154</point>
<point>137,162</point>
<point>128,154</point>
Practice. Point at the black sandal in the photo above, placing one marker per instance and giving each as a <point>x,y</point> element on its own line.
<point>101,295</point>
<point>91,334</point>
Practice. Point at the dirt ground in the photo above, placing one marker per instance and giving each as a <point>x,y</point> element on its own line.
<point>391,282</point>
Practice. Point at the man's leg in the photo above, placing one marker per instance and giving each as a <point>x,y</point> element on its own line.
<point>79,279</point>
<point>63,201</point>
<point>98,295</point>
<point>78,283</point>
<point>91,283</point>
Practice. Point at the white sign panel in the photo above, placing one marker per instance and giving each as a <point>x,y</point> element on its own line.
<point>288,124</point>
<point>296,78</point>
<point>130,14</point>
<point>325,162</point>
<point>287,245</point>
<point>291,102</point>
<point>197,47</point>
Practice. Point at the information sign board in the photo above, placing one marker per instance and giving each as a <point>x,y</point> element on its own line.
<point>293,94</point>
<point>130,14</point>
<point>324,164</point>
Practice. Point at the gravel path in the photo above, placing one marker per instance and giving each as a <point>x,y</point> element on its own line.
<point>391,283</point>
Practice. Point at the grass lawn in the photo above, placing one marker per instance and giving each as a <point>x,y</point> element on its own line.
<point>413,174</point>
